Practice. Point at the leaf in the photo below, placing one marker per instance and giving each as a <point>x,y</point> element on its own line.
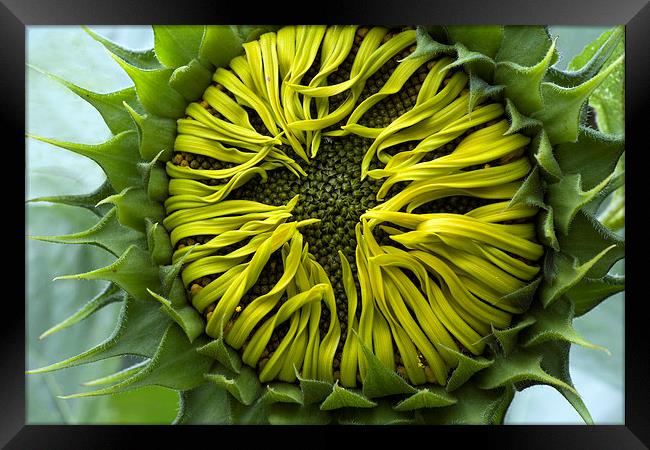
<point>426,398</point>
<point>133,206</point>
<point>117,157</point>
<point>107,234</point>
<point>88,201</point>
<point>345,398</point>
<point>142,59</point>
<point>176,45</point>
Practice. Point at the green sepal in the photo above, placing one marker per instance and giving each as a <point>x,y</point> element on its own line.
<point>592,58</point>
<point>507,339</point>
<point>427,46</point>
<point>142,59</point>
<point>466,368</point>
<point>531,191</point>
<point>567,198</point>
<point>138,332</point>
<point>109,106</point>
<point>176,45</point>
<point>206,404</point>
<point>134,206</point>
<point>474,406</point>
<point>520,366</point>
<point>379,380</point>
<point>382,414</point>
<point>119,376</point>
<point>156,135</point>
<point>158,242</point>
<point>616,185</point>
<point>154,91</point>
<point>313,391</point>
<point>170,280</point>
<point>132,272</point>
<point>185,316</point>
<point>587,238</point>
<point>543,153</point>
<point>289,414</point>
<point>593,156</point>
<point>174,365</point>
<point>473,62</point>
<point>561,106</point>
<point>485,39</point>
<point>479,91</point>
<point>546,229</point>
<point>555,361</point>
<point>563,272</point>
<point>590,292</point>
<point>522,68</point>
<point>522,297</point>
<point>191,80</point>
<point>341,397</point>
<point>217,349</point>
<point>281,393</point>
<point>148,170</point>
<point>88,201</point>
<point>432,397</point>
<point>117,157</point>
<point>110,294</point>
<point>554,324</point>
<point>221,43</point>
<point>520,122</point>
<point>108,234</point>
<point>244,386</point>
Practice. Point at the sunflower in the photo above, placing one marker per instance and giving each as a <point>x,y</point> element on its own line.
<point>349,224</point>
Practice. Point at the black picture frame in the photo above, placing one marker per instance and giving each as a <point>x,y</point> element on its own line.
<point>15,15</point>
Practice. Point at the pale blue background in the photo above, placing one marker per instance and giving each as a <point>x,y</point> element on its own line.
<point>53,111</point>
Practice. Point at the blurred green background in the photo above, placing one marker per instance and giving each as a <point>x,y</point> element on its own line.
<point>53,111</point>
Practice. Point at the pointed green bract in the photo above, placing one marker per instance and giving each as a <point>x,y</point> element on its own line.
<point>88,201</point>
<point>109,295</point>
<point>108,234</point>
<point>176,45</point>
<point>133,206</point>
<point>115,157</point>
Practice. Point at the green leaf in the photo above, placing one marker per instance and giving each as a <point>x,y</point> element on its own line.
<point>244,386</point>
<point>108,234</point>
<point>466,368</point>
<point>154,91</point>
<point>141,59</point>
<point>281,393</point>
<point>175,365</point>
<point>426,398</point>
<point>554,324</point>
<point>518,121</point>
<point>485,39</point>
<point>109,106</point>
<point>132,272</point>
<point>590,292</point>
<point>520,366</point>
<point>522,68</point>
<point>217,349</point>
<point>207,404</point>
<point>156,135</point>
<point>561,106</point>
<point>345,398</point>
<point>134,206</point>
<point>564,272</point>
<point>138,332</point>
<point>109,295</point>
<point>508,338</point>
<point>593,156</point>
<point>555,361</point>
<point>314,391</point>
<point>587,239</point>
<point>88,201</point>
<point>221,43</point>
<point>191,80</point>
<point>176,45</point>
<point>185,316</point>
<point>380,381</point>
<point>117,157</point>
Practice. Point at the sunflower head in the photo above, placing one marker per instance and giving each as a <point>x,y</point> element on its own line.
<point>350,223</point>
